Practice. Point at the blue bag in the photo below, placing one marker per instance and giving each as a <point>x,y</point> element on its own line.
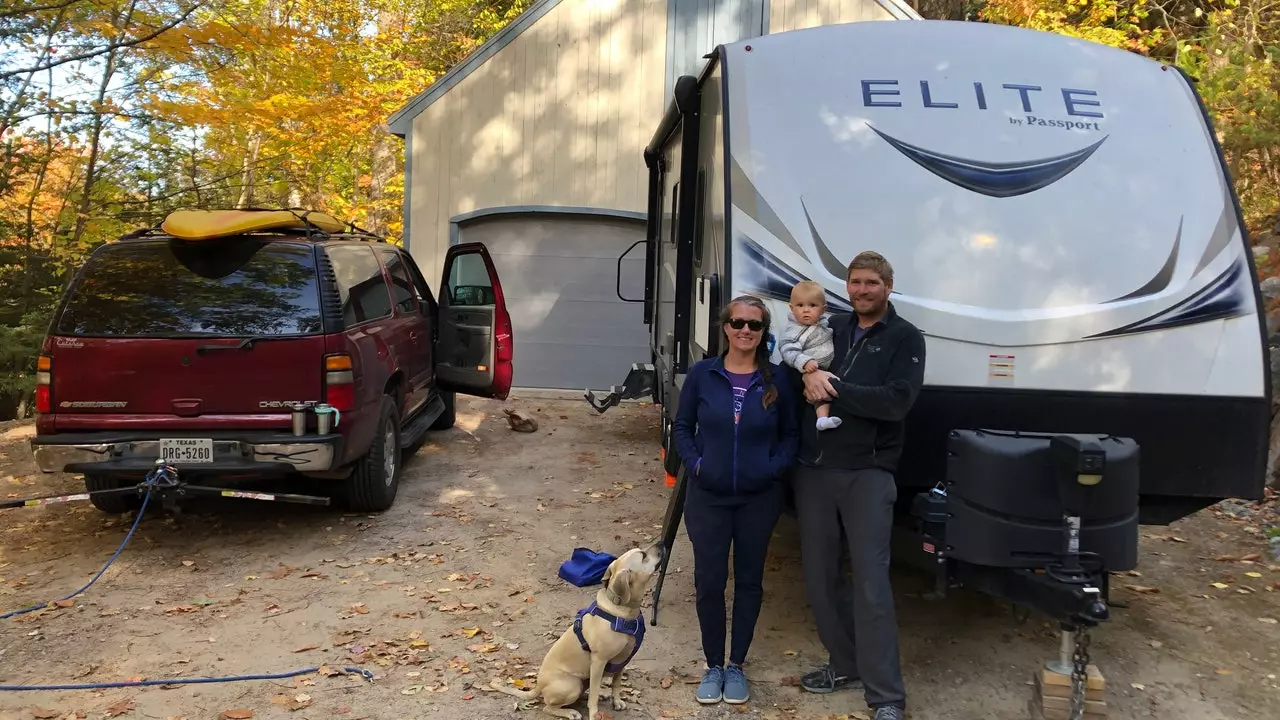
<point>585,567</point>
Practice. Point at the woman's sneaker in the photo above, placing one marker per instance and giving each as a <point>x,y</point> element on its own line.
<point>735,685</point>
<point>825,680</point>
<point>711,690</point>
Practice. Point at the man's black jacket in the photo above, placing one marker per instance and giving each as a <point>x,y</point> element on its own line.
<point>879,380</point>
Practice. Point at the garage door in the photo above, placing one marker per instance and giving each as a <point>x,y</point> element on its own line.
<point>559,277</point>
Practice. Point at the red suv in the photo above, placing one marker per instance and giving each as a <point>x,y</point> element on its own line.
<point>200,352</point>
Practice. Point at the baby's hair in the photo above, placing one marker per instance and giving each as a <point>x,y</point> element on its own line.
<point>808,291</point>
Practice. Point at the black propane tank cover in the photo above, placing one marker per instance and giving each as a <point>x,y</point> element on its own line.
<point>1006,500</point>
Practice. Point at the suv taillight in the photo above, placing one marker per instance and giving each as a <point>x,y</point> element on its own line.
<point>44,384</point>
<point>339,382</point>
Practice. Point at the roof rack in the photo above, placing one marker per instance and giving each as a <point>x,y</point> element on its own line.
<point>308,229</point>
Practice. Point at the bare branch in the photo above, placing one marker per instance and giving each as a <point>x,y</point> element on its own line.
<point>4,75</point>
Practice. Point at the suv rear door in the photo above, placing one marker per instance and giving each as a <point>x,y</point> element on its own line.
<point>475,346</point>
<point>157,329</point>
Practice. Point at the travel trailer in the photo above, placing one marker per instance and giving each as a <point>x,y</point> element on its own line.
<point>1062,229</point>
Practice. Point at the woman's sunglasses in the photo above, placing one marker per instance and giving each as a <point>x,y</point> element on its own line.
<point>738,323</point>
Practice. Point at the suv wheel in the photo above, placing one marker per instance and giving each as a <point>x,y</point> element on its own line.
<point>373,485</point>
<point>450,414</point>
<point>112,504</point>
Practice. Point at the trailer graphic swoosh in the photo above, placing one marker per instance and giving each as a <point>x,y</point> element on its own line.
<point>995,179</point>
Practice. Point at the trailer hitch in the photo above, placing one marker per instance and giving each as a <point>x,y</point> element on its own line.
<point>639,383</point>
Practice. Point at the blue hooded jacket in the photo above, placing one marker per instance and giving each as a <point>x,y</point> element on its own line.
<point>725,457</point>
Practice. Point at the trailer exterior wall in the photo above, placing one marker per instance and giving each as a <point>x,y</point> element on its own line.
<point>1076,267</point>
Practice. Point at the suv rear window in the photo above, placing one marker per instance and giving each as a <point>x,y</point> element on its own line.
<point>168,288</point>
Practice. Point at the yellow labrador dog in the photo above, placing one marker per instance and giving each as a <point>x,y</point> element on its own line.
<point>604,636</point>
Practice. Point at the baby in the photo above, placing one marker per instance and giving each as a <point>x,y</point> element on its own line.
<point>807,343</point>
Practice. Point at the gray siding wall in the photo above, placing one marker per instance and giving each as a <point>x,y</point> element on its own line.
<point>695,27</point>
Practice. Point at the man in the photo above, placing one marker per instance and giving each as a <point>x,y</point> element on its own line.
<point>845,481</point>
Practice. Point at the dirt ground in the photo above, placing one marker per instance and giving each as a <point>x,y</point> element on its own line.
<point>457,585</point>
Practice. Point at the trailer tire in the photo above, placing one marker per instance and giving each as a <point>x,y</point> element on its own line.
<point>373,485</point>
<point>110,504</point>
<point>450,414</point>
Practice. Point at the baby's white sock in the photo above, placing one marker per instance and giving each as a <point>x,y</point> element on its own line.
<point>828,423</point>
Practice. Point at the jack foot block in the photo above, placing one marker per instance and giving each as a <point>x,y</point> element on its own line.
<point>1051,695</point>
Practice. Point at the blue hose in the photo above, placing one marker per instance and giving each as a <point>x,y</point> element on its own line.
<point>367,675</point>
<point>136,520</point>
<point>150,483</point>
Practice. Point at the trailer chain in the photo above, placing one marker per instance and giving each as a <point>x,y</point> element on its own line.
<point>1079,674</point>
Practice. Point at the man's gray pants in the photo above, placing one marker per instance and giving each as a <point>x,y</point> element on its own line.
<point>857,624</point>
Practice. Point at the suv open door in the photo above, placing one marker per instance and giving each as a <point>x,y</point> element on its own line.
<point>475,342</point>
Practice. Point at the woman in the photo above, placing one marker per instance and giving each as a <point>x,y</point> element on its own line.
<point>737,434</point>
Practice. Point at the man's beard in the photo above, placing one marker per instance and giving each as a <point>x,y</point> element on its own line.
<point>878,309</point>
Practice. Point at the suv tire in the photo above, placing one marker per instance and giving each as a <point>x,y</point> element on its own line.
<point>111,504</point>
<point>373,485</point>
<point>450,414</point>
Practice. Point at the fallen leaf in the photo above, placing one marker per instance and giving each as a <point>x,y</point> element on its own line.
<point>791,653</point>
<point>45,714</point>
<point>119,707</point>
<point>1223,671</point>
<point>64,603</point>
<point>1269,621</point>
<point>360,608</point>
<point>470,632</point>
<point>1254,574</point>
<point>791,681</point>
<point>305,648</point>
<point>295,703</point>
<point>483,647</point>
<point>1143,589</point>
<point>1251,557</point>
<point>236,714</point>
<point>666,681</point>
<point>188,563</point>
<point>1220,586</point>
<point>1137,686</point>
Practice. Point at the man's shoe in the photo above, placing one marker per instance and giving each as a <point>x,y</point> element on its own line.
<point>735,685</point>
<point>825,680</point>
<point>889,712</point>
<point>711,690</point>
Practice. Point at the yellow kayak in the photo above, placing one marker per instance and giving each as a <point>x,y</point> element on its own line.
<point>208,224</point>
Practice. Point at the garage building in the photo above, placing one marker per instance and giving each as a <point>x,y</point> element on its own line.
<point>534,146</point>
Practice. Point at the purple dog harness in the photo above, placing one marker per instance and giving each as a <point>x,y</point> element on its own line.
<point>634,628</point>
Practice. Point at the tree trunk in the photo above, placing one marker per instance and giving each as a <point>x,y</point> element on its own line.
<point>95,135</point>
<point>247,168</point>
<point>384,166</point>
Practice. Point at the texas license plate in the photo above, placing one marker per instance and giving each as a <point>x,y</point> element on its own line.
<point>186,450</point>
